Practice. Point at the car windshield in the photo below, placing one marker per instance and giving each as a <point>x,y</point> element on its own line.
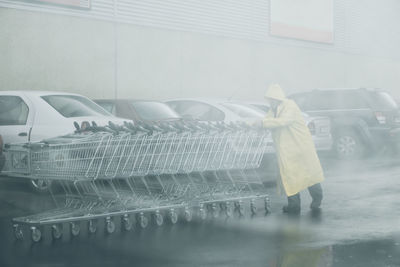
<point>243,110</point>
<point>383,100</point>
<point>71,106</point>
<point>263,107</point>
<point>151,110</point>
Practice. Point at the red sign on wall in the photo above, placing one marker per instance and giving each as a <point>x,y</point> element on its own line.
<point>67,3</point>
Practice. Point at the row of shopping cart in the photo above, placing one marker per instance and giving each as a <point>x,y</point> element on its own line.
<point>136,171</point>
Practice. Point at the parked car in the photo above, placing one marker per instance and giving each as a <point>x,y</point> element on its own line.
<point>138,110</point>
<point>320,127</point>
<point>362,120</point>
<point>214,110</point>
<point>27,116</point>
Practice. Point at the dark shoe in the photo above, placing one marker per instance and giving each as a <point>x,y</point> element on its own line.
<point>315,205</point>
<point>291,209</point>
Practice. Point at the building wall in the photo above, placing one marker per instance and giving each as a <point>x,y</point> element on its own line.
<point>101,58</point>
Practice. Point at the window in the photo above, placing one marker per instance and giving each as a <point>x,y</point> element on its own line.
<point>301,100</point>
<point>244,111</point>
<point>110,107</point>
<point>337,100</point>
<point>197,110</point>
<point>149,110</point>
<point>264,108</point>
<point>382,100</point>
<point>352,99</point>
<point>13,111</point>
<point>71,106</point>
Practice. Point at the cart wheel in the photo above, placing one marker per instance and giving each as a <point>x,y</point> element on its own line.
<point>40,185</point>
<point>110,225</point>
<point>143,221</point>
<point>127,222</point>
<point>188,215</point>
<point>267,205</point>
<point>56,231</point>
<point>75,229</point>
<point>173,216</point>
<point>18,232</point>
<point>92,226</point>
<point>228,209</point>
<point>214,210</point>
<point>159,218</point>
<point>36,234</point>
<point>253,207</point>
<point>202,213</point>
<point>240,208</point>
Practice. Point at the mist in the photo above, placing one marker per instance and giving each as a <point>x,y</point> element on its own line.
<point>337,63</point>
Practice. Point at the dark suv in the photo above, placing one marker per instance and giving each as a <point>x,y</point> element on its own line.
<point>362,120</point>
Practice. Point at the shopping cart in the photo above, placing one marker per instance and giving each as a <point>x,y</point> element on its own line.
<point>142,170</point>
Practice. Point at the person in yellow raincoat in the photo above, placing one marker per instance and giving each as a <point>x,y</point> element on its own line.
<point>297,158</point>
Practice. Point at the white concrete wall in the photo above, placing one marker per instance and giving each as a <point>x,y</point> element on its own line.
<point>41,51</point>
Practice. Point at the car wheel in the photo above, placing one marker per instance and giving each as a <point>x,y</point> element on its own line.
<point>40,185</point>
<point>348,145</point>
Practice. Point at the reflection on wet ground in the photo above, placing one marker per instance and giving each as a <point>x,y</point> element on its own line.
<point>358,226</point>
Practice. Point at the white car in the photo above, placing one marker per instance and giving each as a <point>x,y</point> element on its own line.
<point>218,110</point>
<point>214,110</point>
<point>28,116</point>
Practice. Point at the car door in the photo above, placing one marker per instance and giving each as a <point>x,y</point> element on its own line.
<point>15,119</point>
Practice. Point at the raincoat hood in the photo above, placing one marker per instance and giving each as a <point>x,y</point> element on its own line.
<point>275,92</point>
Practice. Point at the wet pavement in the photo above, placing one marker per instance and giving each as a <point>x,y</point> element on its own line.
<point>358,226</point>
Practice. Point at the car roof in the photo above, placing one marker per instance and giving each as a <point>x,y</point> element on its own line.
<point>212,101</point>
<point>38,93</point>
<point>126,100</point>
<point>338,90</point>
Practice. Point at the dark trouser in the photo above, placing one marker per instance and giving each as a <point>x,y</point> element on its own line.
<point>2,161</point>
<point>316,194</point>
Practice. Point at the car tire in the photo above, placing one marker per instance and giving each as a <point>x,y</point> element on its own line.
<point>348,145</point>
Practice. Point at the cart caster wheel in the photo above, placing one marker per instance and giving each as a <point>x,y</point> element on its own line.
<point>36,234</point>
<point>188,215</point>
<point>267,205</point>
<point>240,207</point>
<point>110,225</point>
<point>228,210</point>
<point>127,222</point>
<point>18,232</point>
<point>92,226</point>
<point>214,210</point>
<point>173,216</point>
<point>202,214</point>
<point>75,229</point>
<point>159,219</point>
<point>56,231</point>
<point>143,221</point>
<point>253,207</point>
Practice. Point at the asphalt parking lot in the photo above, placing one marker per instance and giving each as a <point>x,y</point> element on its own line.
<point>358,226</point>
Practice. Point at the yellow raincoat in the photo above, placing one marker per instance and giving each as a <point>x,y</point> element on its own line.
<point>298,161</point>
